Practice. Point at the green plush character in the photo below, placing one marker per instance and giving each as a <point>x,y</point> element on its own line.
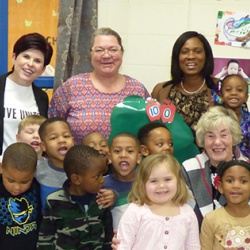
<point>134,112</point>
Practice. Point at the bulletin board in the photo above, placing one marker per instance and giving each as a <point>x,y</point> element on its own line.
<point>27,16</point>
<point>19,17</point>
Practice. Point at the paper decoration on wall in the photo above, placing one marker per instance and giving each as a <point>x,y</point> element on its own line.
<point>233,29</point>
<point>28,23</point>
<point>229,66</point>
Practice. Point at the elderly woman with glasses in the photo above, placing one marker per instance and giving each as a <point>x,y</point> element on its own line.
<point>86,100</point>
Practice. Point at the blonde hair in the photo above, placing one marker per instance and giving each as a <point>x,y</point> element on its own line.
<point>214,117</point>
<point>138,193</point>
<point>30,119</point>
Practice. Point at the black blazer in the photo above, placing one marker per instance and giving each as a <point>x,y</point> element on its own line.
<point>41,98</point>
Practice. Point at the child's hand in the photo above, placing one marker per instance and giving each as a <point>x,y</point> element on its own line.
<point>241,70</point>
<point>115,241</point>
<point>105,197</point>
<point>224,70</point>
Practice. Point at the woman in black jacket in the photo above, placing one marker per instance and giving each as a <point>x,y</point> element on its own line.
<point>19,96</point>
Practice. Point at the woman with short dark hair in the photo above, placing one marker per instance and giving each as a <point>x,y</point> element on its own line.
<point>19,96</point>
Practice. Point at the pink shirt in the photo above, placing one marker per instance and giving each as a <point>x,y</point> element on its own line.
<point>140,229</point>
<point>85,108</point>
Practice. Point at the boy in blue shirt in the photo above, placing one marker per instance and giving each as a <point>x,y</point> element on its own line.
<point>56,140</point>
<point>72,218</point>
<point>124,156</point>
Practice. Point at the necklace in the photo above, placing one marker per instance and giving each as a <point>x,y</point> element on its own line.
<point>193,92</point>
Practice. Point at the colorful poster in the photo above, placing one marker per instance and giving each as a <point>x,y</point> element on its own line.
<point>233,29</point>
<point>27,16</point>
<point>229,66</point>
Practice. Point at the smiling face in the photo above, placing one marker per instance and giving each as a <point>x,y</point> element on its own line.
<point>29,134</point>
<point>192,57</point>
<point>235,185</point>
<point>97,141</point>
<point>161,187</point>
<point>218,144</point>
<point>125,156</point>
<point>57,141</point>
<point>107,63</point>
<point>234,92</point>
<point>15,181</point>
<point>159,141</point>
<point>28,65</point>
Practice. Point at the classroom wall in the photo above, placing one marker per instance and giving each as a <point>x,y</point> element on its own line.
<point>149,29</point>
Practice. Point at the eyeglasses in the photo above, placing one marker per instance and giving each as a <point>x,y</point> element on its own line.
<point>101,51</point>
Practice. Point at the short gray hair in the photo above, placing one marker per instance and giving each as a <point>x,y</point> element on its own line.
<point>214,117</point>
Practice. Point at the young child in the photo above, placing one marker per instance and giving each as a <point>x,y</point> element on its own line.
<point>97,141</point>
<point>234,93</point>
<point>56,140</point>
<point>124,156</point>
<point>73,219</point>
<point>20,210</point>
<point>158,217</point>
<point>233,67</point>
<point>28,132</point>
<point>154,138</point>
<point>229,227</point>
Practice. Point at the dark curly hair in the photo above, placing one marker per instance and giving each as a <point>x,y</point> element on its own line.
<point>78,159</point>
<point>146,129</point>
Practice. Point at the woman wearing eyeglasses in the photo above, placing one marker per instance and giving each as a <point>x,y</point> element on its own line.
<point>86,100</point>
